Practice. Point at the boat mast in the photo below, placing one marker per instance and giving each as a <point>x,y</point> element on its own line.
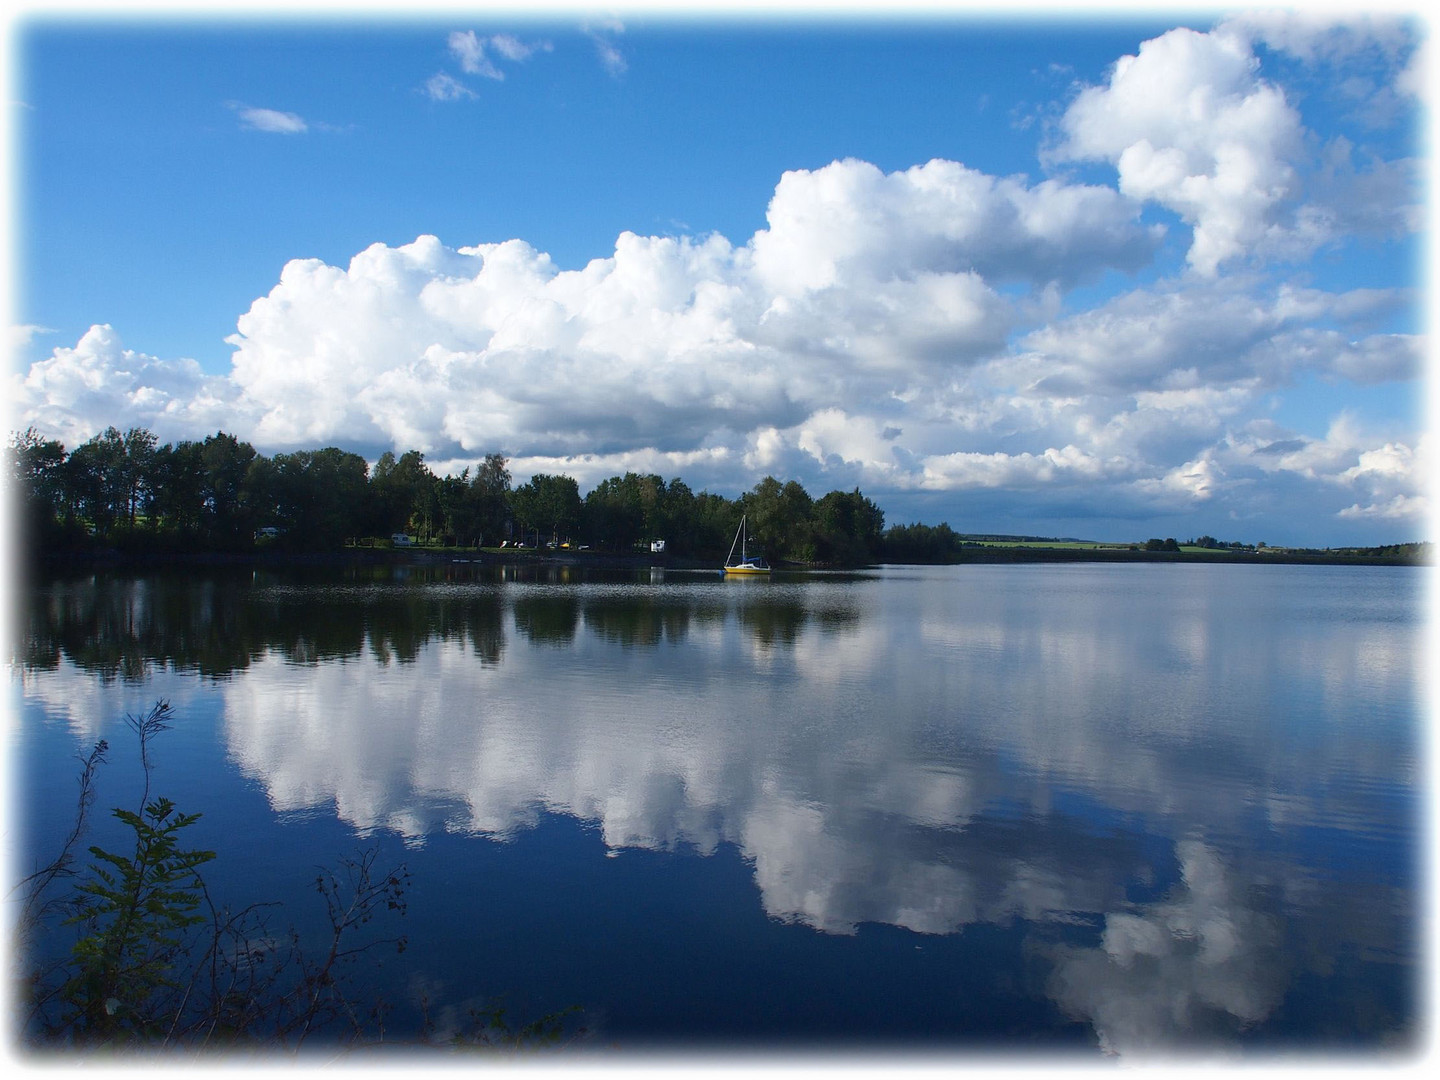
<point>738,533</point>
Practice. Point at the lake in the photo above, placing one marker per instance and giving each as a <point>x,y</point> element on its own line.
<point>1076,809</point>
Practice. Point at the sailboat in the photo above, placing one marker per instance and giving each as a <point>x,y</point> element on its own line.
<point>747,564</point>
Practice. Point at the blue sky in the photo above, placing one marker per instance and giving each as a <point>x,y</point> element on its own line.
<point>987,269</point>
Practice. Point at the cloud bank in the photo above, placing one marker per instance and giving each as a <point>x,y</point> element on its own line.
<point>923,331</point>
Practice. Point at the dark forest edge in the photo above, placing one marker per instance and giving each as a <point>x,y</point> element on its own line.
<point>124,496</point>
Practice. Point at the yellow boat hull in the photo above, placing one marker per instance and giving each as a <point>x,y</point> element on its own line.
<point>746,570</point>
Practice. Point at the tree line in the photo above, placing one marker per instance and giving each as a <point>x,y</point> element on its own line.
<point>127,491</point>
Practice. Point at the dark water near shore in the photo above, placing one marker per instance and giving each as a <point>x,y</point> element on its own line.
<point>1072,808</point>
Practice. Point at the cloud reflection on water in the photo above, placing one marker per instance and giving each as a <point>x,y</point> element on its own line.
<point>930,758</point>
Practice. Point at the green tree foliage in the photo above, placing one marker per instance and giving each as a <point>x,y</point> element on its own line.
<point>549,504</point>
<point>403,497</point>
<point>97,481</point>
<point>35,470</point>
<point>111,478</point>
<point>714,519</point>
<point>780,520</point>
<point>470,509</point>
<point>456,513</point>
<point>767,528</point>
<point>138,472</point>
<point>676,522</point>
<point>921,543</point>
<point>622,511</point>
<point>124,490</point>
<point>197,493</point>
<point>35,465</point>
<point>179,480</point>
<point>490,498</point>
<point>849,528</point>
<point>786,524</point>
<point>227,513</point>
<point>316,498</point>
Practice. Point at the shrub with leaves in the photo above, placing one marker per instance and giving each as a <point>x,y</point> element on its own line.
<point>138,909</point>
<point>156,963</point>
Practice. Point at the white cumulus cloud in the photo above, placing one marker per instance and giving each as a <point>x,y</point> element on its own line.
<point>673,344</point>
<point>79,391</point>
<point>1189,123</point>
<point>922,330</point>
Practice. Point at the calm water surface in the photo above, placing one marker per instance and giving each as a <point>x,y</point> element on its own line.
<point>1076,808</point>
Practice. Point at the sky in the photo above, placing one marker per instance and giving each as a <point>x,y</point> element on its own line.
<point>1115,275</point>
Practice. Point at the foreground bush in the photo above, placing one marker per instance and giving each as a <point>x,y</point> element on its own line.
<point>157,965</point>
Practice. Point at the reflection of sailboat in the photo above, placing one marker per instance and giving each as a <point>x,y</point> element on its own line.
<point>747,564</point>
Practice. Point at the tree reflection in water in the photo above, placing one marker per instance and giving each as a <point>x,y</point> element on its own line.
<point>1191,814</point>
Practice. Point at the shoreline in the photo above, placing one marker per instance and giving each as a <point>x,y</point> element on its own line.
<point>113,559</point>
